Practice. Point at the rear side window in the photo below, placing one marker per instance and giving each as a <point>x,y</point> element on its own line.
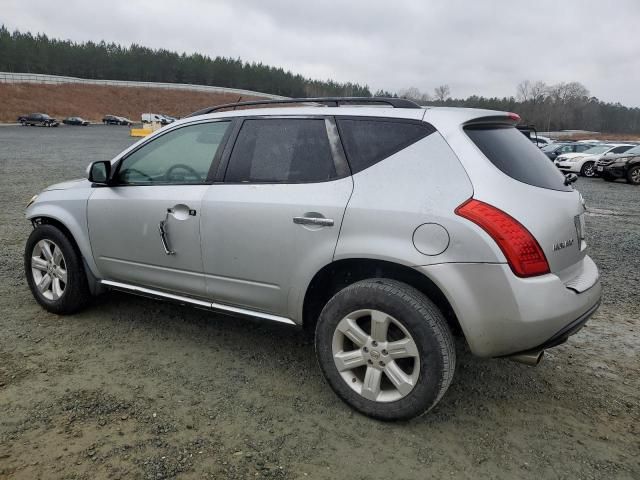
<point>516,156</point>
<point>368,141</point>
<point>281,150</point>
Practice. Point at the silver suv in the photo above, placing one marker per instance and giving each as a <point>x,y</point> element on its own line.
<point>384,228</point>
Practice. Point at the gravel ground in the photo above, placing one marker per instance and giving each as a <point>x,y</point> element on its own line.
<point>132,388</point>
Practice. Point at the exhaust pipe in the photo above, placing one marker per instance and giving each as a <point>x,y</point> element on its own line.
<point>528,358</point>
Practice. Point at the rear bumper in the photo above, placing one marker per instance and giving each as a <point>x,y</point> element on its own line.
<point>501,314</point>
<point>563,335</point>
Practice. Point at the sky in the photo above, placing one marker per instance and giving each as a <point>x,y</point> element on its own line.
<point>476,47</point>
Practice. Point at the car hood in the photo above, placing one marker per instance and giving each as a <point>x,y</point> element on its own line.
<point>77,183</point>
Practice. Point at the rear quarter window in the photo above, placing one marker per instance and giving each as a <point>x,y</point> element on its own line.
<point>511,152</point>
<point>369,140</point>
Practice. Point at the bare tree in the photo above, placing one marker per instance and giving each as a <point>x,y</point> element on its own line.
<point>534,92</point>
<point>523,91</point>
<point>412,93</point>
<point>442,92</point>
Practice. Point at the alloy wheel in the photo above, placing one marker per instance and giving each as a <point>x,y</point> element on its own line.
<point>588,170</point>
<point>376,355</point>
<point>49,269</point>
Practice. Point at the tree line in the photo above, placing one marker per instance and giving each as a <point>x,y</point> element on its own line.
<point>27,53</point>
<point>548,107</point>
<point>563,106</point>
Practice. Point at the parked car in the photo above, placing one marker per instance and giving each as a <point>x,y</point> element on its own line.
<point>38,119</point>
<point>75,121</point>
<point>169,118</point>
<point>583,163</point>
<point>154,118</point>
<point>335,219</point>
<point>624,165</point>
<point>555,149</point>
<point>115,120</point>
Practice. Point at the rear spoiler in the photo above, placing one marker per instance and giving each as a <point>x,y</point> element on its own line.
<point>508,118</point>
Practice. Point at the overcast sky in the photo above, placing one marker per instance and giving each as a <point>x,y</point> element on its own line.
<point>476,47</point>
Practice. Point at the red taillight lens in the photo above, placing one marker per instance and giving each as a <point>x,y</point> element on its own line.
<point>523,252</point>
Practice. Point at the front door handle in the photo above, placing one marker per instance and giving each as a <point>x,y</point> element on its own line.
<point>320,221</point>
<point>162,229</point>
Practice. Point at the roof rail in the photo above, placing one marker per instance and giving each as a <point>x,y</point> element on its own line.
<point>327,101</point>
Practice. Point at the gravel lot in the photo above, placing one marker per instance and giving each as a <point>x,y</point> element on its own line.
<point>132,388</point>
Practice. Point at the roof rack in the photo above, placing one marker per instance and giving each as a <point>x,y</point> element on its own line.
<point>326,101</point>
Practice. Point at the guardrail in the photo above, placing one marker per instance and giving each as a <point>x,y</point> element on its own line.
<point>9,77</point>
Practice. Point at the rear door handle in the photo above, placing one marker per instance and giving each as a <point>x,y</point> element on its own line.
<point>320,221</point>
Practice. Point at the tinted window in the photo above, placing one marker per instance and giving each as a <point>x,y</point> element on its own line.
<point>180,156</point>
<point>281,150</point>
<point>621,149</point>
<point>367,141</point>
<point>512,153</point>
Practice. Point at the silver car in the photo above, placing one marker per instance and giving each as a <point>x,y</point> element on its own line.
<point>383,228</point>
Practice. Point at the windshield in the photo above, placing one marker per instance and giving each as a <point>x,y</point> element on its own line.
<point>598,149</point>
<point>550,148</point>
<point>633,151</point>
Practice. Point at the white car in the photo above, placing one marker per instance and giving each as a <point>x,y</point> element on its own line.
<point>584,162</point>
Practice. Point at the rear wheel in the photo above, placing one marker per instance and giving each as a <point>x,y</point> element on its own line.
<point>54,271</point>
<point>385,349</point>
<point>588,170</point>
<point>633,175</point>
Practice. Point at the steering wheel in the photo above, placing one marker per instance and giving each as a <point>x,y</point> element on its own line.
<point>189,169</point>
<point>136,171</point>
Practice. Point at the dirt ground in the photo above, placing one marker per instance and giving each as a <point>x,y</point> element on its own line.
<point>92,102</point>
<point>132,388</point>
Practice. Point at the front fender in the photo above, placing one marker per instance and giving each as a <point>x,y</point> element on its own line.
<point>68,207</point>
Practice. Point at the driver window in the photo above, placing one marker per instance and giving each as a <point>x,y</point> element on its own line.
<point>181,156</point>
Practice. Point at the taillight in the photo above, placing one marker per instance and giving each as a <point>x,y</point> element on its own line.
<point>523,252</point>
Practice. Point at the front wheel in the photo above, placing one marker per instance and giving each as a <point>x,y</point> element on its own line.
<point>54,271</point>
<point>385,349</point>
<point>588,170</point>
<point>633,175</point>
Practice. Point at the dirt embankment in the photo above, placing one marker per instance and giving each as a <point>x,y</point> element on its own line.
<point>92,102</point>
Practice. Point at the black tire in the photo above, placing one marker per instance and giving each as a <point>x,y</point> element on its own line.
<point>76,292</point>
<point>633,175</point>
<point>587,170</point>
<point>424,322</point>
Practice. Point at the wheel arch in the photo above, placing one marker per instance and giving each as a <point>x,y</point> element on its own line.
<point>72,228</point>
<point>339,274</point>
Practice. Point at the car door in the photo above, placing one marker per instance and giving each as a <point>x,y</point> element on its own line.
<point>274,220</point>
<point>145,227</point>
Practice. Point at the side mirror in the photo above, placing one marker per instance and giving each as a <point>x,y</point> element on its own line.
<point>570,178</point>
<point>99,172</point>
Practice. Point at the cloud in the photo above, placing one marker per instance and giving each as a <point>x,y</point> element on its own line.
<point>483,48</point>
